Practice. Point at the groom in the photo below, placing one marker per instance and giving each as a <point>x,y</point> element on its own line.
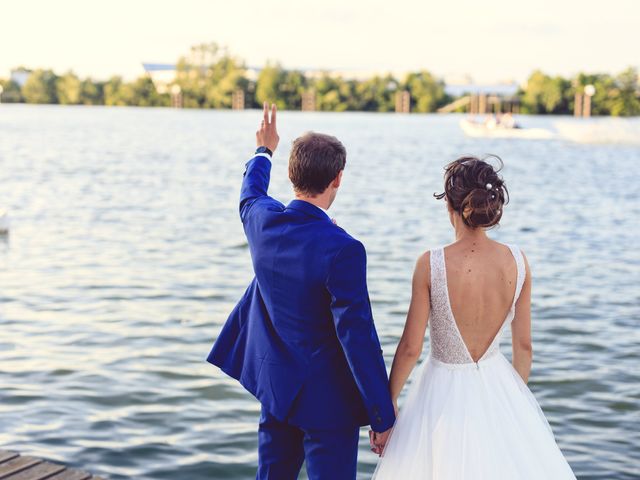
<point>302,338</point>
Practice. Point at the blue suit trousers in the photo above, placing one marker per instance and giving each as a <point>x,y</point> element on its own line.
<point>282,448</point>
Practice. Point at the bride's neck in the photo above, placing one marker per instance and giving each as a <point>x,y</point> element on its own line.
<point>464,232</point>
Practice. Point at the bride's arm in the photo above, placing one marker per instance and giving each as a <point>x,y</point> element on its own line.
<point>410,346</point>
<point>521,329</point>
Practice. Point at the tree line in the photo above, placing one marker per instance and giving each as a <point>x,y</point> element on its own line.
<point>209,75</point>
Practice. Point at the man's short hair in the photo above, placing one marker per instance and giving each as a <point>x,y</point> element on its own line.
<point>316,160</point>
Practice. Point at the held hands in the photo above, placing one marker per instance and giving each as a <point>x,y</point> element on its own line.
<point>267,135</point>
<point>378,441</point>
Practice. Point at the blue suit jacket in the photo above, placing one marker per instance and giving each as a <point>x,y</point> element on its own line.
<point>302,338</point>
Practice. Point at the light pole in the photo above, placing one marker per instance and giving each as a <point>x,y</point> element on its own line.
<point>589,91</point>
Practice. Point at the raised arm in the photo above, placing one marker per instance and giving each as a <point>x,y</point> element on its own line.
<point>347,285</point>
<point>256,177</point>
<point>410,346</point>
<point>521,329</point>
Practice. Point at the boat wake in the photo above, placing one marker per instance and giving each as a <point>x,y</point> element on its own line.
<point>600,130</point>
<point>484,130</point>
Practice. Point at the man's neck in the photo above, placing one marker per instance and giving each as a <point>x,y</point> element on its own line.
<point>319,201</point>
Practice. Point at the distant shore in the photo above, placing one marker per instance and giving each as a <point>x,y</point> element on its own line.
<point>209,77</point>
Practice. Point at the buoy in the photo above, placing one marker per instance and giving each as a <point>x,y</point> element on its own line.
<point>4,222</point>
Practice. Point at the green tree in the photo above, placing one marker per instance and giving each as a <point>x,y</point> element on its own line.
<point>91,92</point>
<point>40,87</point>
<point>208,76</point>
<point>333,94</point>
<point>10,92</point>
<point>544,94</point>
<point>625,99</point>
<point>268,85</point>
<point>113,92</point>
<point>376,94</point>
<point>605,89</point>
<point>293,84</point>
<point>143,93</point>
<point>68,89</point>
<point>224,77</point>
<point>427,92</point>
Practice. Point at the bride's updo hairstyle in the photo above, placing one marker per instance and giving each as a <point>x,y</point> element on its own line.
<point>473,188</point>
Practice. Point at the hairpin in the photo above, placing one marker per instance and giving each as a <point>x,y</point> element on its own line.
<point>489,186</point>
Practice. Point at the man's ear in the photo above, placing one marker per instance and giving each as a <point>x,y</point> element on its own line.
<point>337,180</point>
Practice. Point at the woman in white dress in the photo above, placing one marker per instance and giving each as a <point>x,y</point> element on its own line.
<point>468,413</point>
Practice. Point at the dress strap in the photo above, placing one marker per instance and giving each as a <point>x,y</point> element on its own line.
<point>438,274</point>
<point>521,271</point>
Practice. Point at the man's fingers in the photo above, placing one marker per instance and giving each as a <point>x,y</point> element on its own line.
<point>273,114</point>
<point>265,113</point>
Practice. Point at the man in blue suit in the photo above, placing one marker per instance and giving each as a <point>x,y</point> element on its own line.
<point>302,338</point>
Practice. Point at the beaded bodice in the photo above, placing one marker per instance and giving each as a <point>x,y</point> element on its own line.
<point>447,344</point>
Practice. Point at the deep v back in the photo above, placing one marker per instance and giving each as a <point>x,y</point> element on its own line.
<point>447,343</point>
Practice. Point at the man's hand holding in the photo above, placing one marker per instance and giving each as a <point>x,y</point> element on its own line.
<point>378,441</point>
<point>267,135</point>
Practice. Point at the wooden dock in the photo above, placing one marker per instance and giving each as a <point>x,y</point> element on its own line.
<point>14,466</point>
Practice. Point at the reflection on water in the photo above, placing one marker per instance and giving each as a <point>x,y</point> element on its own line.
<point>126,254</point>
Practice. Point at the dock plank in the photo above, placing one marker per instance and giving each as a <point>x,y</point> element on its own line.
<point>41,471</point>
<point>5,455</point>
<point>73,475</point>
<point>13,466</point>
<point>17,465</point>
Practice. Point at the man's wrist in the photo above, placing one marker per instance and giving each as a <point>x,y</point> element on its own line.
<point>262,150</point>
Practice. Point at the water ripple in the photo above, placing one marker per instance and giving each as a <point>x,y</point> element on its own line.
<point>127,254</point>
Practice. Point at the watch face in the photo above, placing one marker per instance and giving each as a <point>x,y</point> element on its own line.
<point>263,150</point>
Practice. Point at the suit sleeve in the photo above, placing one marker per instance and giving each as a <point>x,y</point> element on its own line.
<point>351,309</point>
<point>255,184</point>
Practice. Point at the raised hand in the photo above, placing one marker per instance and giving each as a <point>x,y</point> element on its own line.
<point>267,135</point>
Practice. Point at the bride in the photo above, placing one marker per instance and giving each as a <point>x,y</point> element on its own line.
<point>468,413</point>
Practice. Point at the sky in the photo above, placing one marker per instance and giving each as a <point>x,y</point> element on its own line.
<point>489,40</point>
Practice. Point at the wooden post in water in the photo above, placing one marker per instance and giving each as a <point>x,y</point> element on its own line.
<point>473,104</point>
<point>308,101</point>
<point>482,104</point>
<point>586,108</point>
<point>237,99</point>
<point>176,96</point>
<point>589,91</point>
<point>577,107</point>
<point>403,102</point>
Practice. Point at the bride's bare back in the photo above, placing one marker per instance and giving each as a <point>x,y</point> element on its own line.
<point>479,281</point>
<point>481,278</point>
<point>467,410</point>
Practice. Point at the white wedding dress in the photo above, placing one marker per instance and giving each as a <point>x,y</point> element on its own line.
<point>469,420</point>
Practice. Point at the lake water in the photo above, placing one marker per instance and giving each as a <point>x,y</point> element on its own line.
<point>126,254</point>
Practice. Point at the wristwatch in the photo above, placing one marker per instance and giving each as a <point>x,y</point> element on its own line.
<point>264,149</point>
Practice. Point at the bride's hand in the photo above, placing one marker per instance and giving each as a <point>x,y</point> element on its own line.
<point>379,441</point>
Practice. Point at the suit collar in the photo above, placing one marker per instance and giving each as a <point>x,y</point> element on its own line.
<point>308,208</point>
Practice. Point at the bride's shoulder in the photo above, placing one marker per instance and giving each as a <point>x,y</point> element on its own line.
<point>515,249</point>
<point>518,253</point>
<point>422,272</point>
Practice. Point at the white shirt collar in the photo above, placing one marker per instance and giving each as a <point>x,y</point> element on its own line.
<point>325,211</point>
